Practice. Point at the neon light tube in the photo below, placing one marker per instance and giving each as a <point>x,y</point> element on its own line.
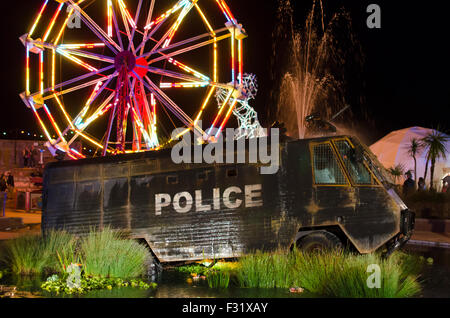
<point>189,70</point>
<point>110,26</point>
<point>165,15</point>
<point>52,120</point>
<point>184,85</point>
<point>28,71</point>
<point>241,62</point>
<point>64,112</point>
<point>233,66</point>
<point>40,121</point>
<point>37,19</point>
<point>226,118</point>
<point>53,68</point>
<point>52,23</point>
<point>41,71</point>
<point>81,46</point>
<point>221,110</point>
<point>127,14</point>
<point>205,103</point>
<point>76,60</point>
<point>69,15</point>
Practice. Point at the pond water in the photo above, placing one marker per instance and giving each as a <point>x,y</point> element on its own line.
<point>436,277</point>
<point>171,284</point>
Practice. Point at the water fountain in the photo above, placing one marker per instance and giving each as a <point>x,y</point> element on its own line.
<point>314,78</point>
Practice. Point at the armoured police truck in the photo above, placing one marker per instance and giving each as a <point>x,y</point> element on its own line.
<point>326,192</point>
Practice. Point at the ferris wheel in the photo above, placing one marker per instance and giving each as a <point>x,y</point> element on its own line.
<point>112,73</point>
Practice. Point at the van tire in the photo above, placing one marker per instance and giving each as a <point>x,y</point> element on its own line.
<point>319,241</point>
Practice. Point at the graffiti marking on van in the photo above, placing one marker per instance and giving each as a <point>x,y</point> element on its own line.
<point>232,198</point>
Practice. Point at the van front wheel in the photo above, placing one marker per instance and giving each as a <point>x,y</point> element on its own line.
<point>319,241</point>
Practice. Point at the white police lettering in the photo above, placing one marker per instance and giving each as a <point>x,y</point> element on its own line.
<point>230,198</point>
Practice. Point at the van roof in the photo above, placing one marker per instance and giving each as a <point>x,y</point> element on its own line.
<point>164,153</point>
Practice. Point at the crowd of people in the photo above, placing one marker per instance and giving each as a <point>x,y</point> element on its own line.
<point>30,156</point>
<point>409,186</point>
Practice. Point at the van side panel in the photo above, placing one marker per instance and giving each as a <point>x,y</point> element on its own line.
<point>123,195</point>
<point>192,212</point>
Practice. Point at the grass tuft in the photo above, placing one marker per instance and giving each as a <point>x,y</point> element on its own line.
<point>102,253</point>
<point>331,274</point>
<point>34,254</point>
<point>106,253</point>
<point>218,279</point>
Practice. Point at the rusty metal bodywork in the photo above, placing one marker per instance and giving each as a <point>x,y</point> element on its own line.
<point>120,192</point>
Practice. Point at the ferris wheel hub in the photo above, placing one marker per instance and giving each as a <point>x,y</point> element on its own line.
<point>141,68</point>
<point>125,59</point>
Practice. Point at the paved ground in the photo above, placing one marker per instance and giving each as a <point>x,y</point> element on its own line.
<point>430,238</point>
<point>31,221</point>
<point>27,217</point>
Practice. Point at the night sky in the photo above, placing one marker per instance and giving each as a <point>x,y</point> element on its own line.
<point>405,77</point>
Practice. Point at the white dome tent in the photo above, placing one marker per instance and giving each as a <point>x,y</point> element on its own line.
<point>392,150</point>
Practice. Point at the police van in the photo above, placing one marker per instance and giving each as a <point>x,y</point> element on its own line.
<point>328,192</point>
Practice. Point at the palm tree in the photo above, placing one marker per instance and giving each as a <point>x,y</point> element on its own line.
<point>397,172</point>
<point>436,149</point>
<point>414,148</point>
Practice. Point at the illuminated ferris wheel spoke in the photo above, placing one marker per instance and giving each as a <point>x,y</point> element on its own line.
<point>167,37</point>
<point>72,49</point>
<point>76,88</point>
<point>136,19</point>
<point>99,88</point>
<point>166,101</point>
<point>173,107</point>
<point>147,37</point>
<point>89,55</point>
<point>77,60</point>
<point>101,110</point>
<point>72,81</point>
<point>185,50</point>
<point>149,19</point>
<point>127,21</point>
<point>171,74</point>
<point>155,25</point>
<point>166,15</point>
<point>96,29</point>
<point>181,43</point>
<point>116,26</point>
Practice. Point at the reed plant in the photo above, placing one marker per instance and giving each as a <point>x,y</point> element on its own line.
<point>25,255</point>
<point>59,245</point>
<point>34,254</point>
<point>107,253</point>
<point>218,279</point>
<point>331,273</point>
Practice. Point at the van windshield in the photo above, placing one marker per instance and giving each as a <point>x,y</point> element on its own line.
<point>355,167</point>
<point>374,165</point>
